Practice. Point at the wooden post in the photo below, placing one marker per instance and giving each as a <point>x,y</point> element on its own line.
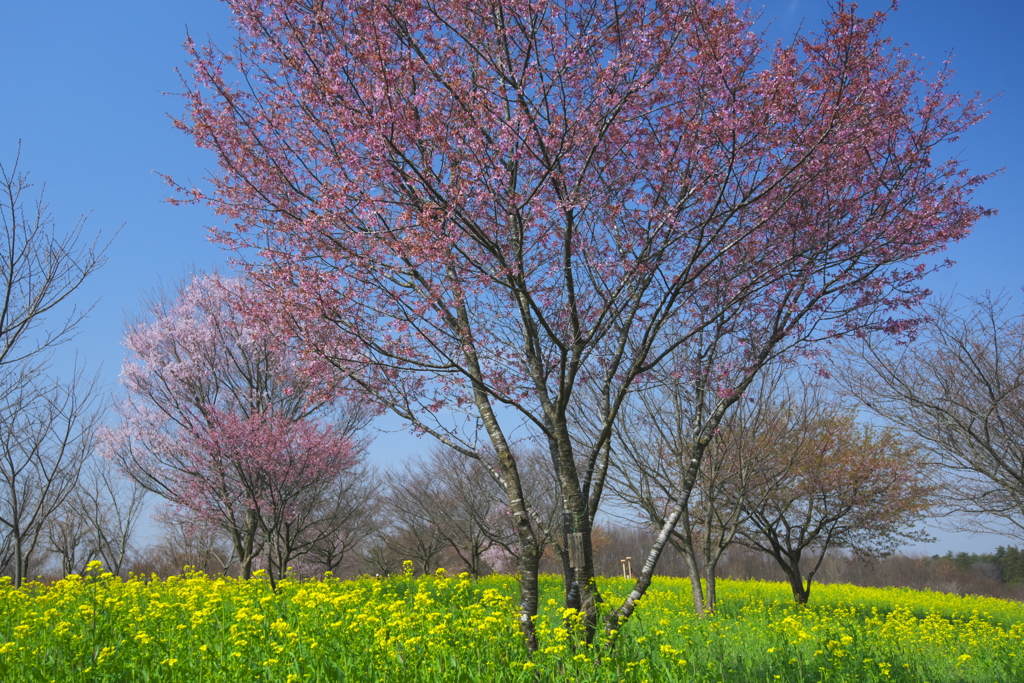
<point>623,569</point>
<point>629,564</point>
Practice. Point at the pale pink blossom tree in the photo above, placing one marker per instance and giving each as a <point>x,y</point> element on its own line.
<point>474,209</point>
<point>223,421</point>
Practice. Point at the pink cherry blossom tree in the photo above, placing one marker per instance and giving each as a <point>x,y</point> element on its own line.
<point>223,421</point>
<point>475,209</point>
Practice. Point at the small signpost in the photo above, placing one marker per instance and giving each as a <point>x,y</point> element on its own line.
<point>575,550</point>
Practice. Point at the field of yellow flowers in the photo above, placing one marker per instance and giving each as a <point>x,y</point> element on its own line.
<point>198,629</point>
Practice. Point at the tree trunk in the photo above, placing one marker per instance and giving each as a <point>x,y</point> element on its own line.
<point>685,548</point>
<point>576,519</point>
<point>244,542</point>
<point>569,585</point>
<point>711,598</point>
<point>618,617</point>
<point>529,595</point>
<point>801,592</point>
<point>19,562</point>
<point>586,582</point>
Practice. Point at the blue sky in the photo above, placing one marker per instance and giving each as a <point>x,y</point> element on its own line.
<point>83,87</point>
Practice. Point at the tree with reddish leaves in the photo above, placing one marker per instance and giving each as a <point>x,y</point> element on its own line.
<point>832,483</point>
<point>224,422</point>
<point>476,209</point>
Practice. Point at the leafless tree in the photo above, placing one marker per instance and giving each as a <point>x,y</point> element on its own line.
<point>459,502</point>
<point>323,524</point>
<point>959,389</point>
<point>97,520</point>
<point>660,462</point>
<point>70,537</point>
<point>413,528</point>
<point>40,269</point>
<point>46,434</point>
<point>112,506</point>
<point>347,518</point>
<point>468,507</point>
<point>379,555</point>
<point>666,455</point>
<point>45,425</point>
<point>186,541</point>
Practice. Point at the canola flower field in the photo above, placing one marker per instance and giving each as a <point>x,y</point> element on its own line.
<point>198,629</point>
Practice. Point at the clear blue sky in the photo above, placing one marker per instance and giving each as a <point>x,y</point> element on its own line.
<point>83,87</point>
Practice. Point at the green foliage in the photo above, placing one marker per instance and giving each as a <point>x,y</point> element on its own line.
<point>1008,562</point>
<point>1011,563</point>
